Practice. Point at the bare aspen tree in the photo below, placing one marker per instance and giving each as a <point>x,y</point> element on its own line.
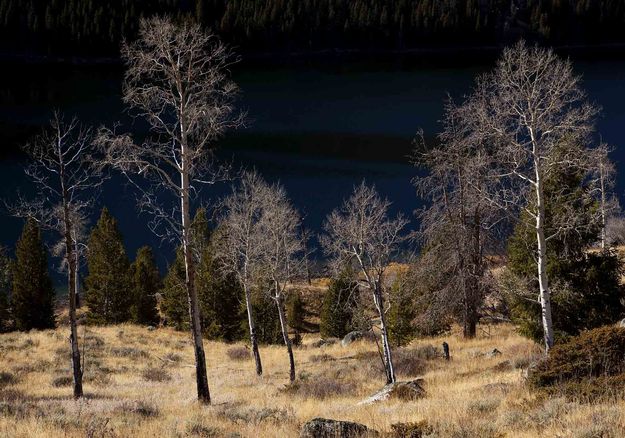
<point>61,169</point>
<point>177,80</point>
<point>361,234</point>
<point>534,112</point>
<point>459,226</point>
<point>283,255</point>
<point>240,244</point>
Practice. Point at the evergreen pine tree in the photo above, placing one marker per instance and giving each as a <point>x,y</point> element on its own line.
<point>146,282</point>
<point>266,317</point>
<point>295,311</point>
<point>33,294</point>
<point>174,303</point>
<point>338,306</point>
<point>401,313</point>
<point>108,287</point>
<point>586,286</point>
<point>219,298</point>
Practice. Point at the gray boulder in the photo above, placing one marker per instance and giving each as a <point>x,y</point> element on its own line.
<point>406,391</point>
<point>326,428</point>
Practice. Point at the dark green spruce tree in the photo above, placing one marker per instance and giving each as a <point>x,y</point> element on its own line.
<point>174,303</point>
<point>586,287</point>
<point>401,312</point>
<point>33,294</point>
<point>338,306</point>
<point>146,283</point>
<point>108,289</point>
<point>219,297</point>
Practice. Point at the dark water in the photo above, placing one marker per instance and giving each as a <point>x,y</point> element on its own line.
<point>317,127</point>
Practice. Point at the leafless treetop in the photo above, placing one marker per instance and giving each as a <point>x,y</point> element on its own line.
<point>361,233</point>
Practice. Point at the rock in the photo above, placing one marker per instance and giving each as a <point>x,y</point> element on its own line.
<point>151,328</point>
<point>351,337</point>
<point>493,353</point>
<point>406,391</point>
<point>324,342</point>
<point>326,428</point>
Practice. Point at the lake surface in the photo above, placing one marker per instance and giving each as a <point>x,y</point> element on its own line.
<point>318,127</point>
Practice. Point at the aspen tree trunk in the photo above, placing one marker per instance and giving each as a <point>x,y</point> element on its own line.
<point>543,282</point>
<point>253,336</point>
<point>203,393</point>
<point>287,340</point>
<point>386,347</point>
<point>73,338</point>
<point>71,286</point>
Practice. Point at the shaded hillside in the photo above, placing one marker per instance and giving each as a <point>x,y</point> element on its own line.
<point>92,28</point>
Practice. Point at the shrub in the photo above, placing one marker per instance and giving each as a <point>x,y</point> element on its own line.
<point>138,407</point>
<point>594,353</point>
<point>238,353</point>
<point>587,365</point>
<point>131,352</point>
<point>7,378</point>
<point>406,362</point>
<point>321,358</point>
<point>156,375</point>
<point>321,387</point>
<point>62,381</point>
<point>411,430</point>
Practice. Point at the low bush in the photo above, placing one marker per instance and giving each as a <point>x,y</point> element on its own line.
<point>587,366</point>
<point>7,378</point>
<point>61,381</point>
<point>321,387</point>
<point>594,353</point>
<point>156,375</point>
<point>411,430</point>
<point>238,353</point>
<point>138,407</point>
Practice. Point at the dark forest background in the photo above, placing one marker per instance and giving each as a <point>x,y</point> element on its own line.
<point>94,28</point>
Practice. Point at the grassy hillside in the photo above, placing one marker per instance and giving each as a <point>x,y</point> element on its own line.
<point>140,383</point>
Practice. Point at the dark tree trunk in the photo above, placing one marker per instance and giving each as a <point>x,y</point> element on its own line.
<point>203,392</point>
<point>287,340</point>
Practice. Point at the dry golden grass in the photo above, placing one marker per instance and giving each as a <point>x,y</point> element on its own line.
<point>140,383</point>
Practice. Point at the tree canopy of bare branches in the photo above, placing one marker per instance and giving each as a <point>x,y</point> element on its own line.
<point>177,80</point>
<point>62,170</point>
<point>460,225</point>
<point>283,257</point>
<point>360,234</point>
<point>240,246</point>
<point>533,112</point>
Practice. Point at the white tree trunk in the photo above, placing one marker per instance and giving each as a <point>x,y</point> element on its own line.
<point>252,326</point>
<point>287,340</point>
<point>543,282</point>
<point>386,347</point>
